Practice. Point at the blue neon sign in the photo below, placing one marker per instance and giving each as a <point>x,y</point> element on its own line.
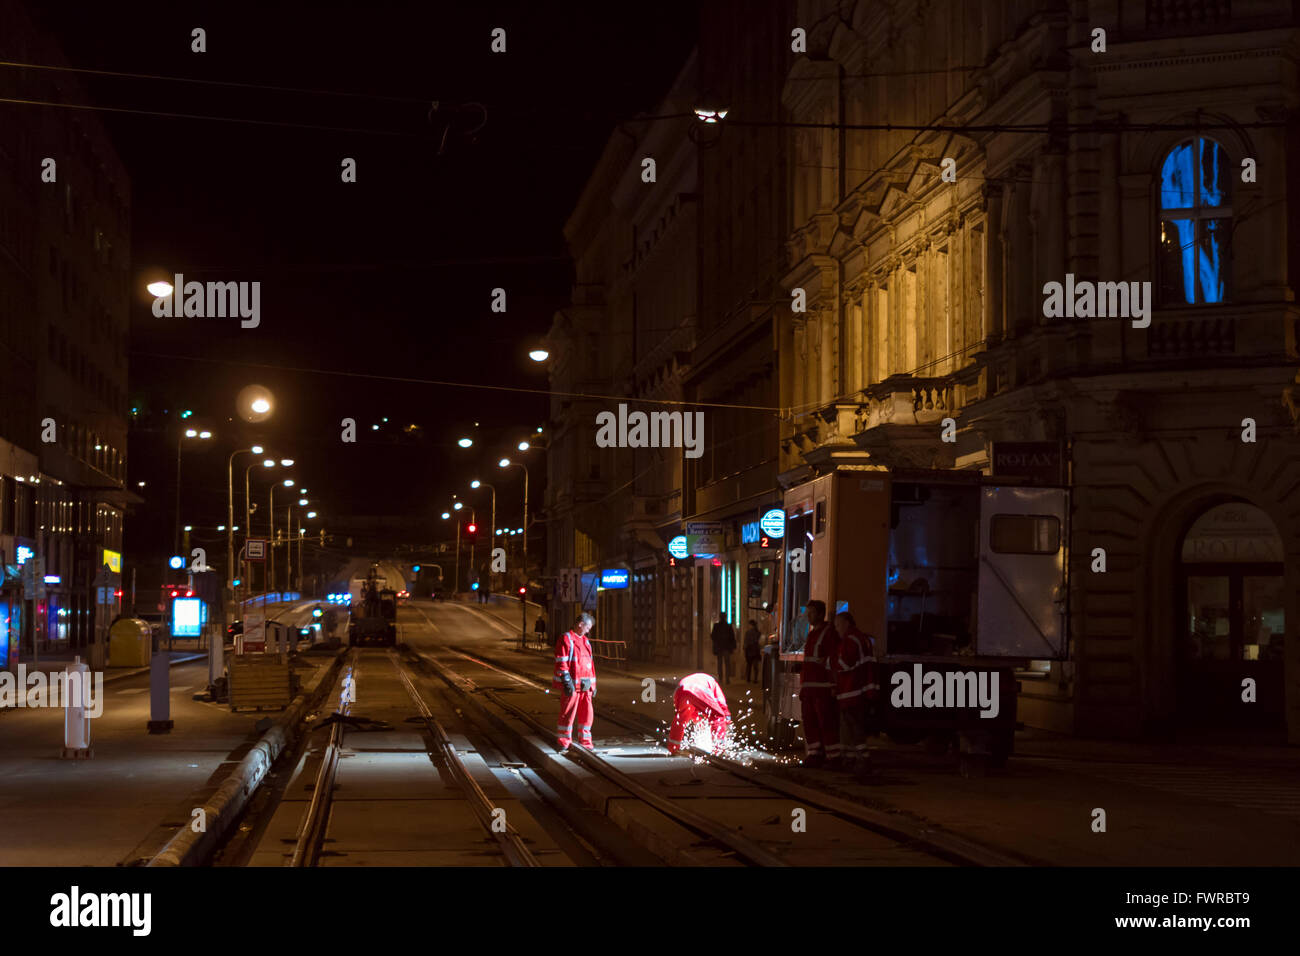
<point>677,546</point>
<point>773,523</point>
<point>614,578</point>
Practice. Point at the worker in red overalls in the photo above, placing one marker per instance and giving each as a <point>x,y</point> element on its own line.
<point>575,679</point>
<point>821,721</point>
<point>699,697</point>
<point>857,688</point>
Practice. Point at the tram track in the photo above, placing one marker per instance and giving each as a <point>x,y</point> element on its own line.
<point>942,846</point>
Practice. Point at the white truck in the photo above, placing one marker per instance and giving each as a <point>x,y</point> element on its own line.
<point>960,579</point>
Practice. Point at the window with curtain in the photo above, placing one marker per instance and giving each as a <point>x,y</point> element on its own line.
<point>1195,223</point>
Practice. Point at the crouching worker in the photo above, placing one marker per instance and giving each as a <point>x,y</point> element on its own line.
<point>699,698</point>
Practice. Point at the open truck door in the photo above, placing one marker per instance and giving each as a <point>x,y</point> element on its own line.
<point>1022,567</point>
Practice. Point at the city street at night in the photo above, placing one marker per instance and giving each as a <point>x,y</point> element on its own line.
<point>662,444</point>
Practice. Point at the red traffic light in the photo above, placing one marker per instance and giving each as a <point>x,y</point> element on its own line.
<point>471,528</point>
<point>173,594</point>
<point>523,591</point>
<point>189,594</point>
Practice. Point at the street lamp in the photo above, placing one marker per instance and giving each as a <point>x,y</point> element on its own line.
<point>180,443</point>
<point>492,529</point>
<point>255,403</point>
<point>287,483</point>
<point>507,463</point>
<point>230,507</point>
<point>539,355</point>
<point>465,442</point>
<point>455,582</point>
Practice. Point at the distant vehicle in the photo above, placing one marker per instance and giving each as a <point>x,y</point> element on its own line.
<point>374,619</point>
<point>403,595</point>
<point>234,629</point>
<point>440,593</point>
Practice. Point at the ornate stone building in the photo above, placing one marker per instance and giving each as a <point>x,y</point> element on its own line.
<point>924,254</point>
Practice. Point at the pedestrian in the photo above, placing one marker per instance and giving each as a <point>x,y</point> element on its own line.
<point>753,656</point>
<point>857,689</point>
<point>699,698</point>
<point>821,723</point>
<point>575,679</point>
<point>723,636</point>
<point>539,628</point>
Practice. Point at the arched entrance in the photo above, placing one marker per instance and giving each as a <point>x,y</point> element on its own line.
<point>1232,595</point>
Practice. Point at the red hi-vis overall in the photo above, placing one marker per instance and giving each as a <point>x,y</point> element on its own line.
<point>821,719</point>
<point>575,672</point>
<point>856,682</point>
<point>699,697</point>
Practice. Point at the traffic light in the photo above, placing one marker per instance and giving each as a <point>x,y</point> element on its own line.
<point>522,592</point>
<point>415,568</point>
<point>471,527</point>
<point>316,612</point>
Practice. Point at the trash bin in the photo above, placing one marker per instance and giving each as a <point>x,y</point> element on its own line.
<point>130,643</point>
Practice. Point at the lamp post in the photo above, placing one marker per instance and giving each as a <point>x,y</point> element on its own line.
<point>455,582</point>
<point>248,508</point>
<point>180,443</point>
<point>287,483</point>
<point>230,509</point>
<point>507,463</point>
<point>493,529</point>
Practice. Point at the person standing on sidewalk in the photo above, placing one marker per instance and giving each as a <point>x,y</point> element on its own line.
<point>856,689</point>
<point>723,636</point>
<point>821,721</point>
<point>753,655</point>
<point>575,679</point>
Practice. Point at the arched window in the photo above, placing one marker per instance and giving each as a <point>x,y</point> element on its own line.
<point>1195,223</point>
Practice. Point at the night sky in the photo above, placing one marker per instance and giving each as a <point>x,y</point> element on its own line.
<point>390,276</point>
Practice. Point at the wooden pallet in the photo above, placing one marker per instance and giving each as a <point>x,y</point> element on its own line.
<point>260,681</point>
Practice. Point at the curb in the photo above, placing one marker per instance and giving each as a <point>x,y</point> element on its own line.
<point>188,848</point>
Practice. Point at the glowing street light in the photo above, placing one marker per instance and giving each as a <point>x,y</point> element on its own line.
<point>523,446</point>
<point>465,442</point>
<point>539,355</point>
<point>256,449</point>
<point>457,506</point>
<point>268,463</point>
<point>446,515</point>
<point>160,288</point>
<point>287,462</point>
<point>255,403</point>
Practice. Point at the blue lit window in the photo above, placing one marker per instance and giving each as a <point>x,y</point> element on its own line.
<point>1195,223</point>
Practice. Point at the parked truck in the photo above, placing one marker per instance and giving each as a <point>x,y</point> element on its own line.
<point>959,578</point>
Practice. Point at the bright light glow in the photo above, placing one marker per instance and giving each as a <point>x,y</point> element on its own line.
<point>190,433</point>
<point>539,429</point>
<point>302,501</point>
<point>268,463</point>
<point>374,428</point>
<point>205,434</point>
<point>176,563</point>
<point>256,449</point>
<point>504,462</point>
<point>475,483</point>
<point>260,405</point>
<point>160,288</point>
<point>457,506</point>
<point>311,514</point>
<point>446,515</point>
<point>287,462</point>
<point>465,442</point>
<point>139,484</point>
<point>288,482</point>
<point>221,527</point>
<point>539,355</point>
<point>524,446</point>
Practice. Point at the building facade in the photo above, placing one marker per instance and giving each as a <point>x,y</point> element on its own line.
<point>1161,160</point>
<point>64,299</point>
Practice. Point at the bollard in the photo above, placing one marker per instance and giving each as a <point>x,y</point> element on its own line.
<point>76,723</point>
<point>160,704</point>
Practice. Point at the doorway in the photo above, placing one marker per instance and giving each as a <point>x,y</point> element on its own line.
<point>1232,595</point>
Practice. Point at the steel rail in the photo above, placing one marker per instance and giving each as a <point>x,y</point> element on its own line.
<point>700,824</point>
<point>512,844</point>
<point>947,846</point>
<point>306,848</point>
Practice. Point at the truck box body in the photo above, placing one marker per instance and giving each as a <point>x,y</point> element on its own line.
<point>949,570</point>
